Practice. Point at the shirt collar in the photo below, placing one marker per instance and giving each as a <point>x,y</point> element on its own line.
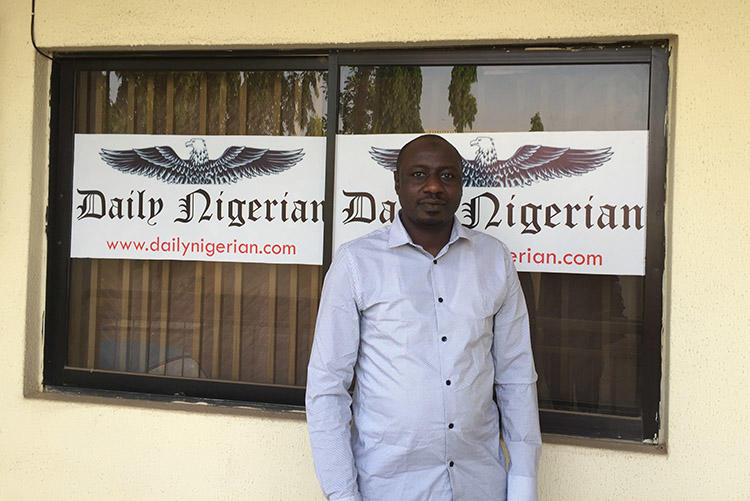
<point>399,236</point>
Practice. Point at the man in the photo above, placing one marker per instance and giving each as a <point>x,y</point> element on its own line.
<point>430,315</point>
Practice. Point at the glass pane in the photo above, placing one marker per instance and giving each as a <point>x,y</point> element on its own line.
<point>585,328</point>
<point>385,99</point>
<point>247,322</point>
<point>585,335</point>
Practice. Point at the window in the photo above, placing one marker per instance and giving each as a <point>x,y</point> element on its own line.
<point>242,331</point>
<point>236,330</point>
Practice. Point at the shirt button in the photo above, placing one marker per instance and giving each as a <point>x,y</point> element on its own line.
<point>448,382</point>
<point>450,426</point>
<point>434,261</point>
<point>444,339</point>
<point>440,300</point>
<point>450,464</point>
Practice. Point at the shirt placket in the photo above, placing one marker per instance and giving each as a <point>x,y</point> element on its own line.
<point>439,275</point>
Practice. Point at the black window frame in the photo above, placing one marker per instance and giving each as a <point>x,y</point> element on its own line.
<point>57,376</point>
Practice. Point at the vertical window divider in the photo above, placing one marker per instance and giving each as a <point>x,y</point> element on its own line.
<point>332,125</point>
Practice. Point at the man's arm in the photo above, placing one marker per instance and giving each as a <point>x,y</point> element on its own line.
<point>329,376</point>
<point>515,389</point>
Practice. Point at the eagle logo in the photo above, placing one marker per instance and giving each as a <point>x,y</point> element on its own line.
<point>235,163</point>
<point>529,164</point>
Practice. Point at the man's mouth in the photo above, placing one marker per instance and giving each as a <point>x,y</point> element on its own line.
<point>432,202</point>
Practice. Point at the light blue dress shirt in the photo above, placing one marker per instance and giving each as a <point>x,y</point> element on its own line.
<point>428,338</point>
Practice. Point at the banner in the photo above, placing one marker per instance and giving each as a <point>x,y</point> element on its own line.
<point>570,202</point>
<point>207,198</point>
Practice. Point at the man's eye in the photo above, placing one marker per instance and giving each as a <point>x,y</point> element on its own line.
<point>448,175</point>
<point>417,174</point>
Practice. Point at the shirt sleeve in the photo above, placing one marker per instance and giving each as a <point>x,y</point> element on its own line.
<point>329,375</point>
<point>515,389</point>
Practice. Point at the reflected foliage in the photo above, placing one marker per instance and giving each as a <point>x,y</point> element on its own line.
<point>383,99</point>
<point>536,123</point>
<point>282,102</point>
<point>462,104</point>
<point>396,98</point>
<point>356,115</point>
<point>273,102</point>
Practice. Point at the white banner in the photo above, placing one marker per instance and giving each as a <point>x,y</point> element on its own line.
<point>571,202</point>
<point>207,198</point>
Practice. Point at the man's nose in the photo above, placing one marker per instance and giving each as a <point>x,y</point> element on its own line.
<point>433,184</point>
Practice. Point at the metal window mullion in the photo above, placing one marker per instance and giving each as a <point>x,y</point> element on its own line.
<point>332,125</point>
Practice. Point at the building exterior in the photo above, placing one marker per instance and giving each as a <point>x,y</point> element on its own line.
<point>84,444</point>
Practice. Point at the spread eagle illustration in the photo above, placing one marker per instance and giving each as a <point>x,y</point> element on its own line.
<point>530,163</point>
<point>235,163</point>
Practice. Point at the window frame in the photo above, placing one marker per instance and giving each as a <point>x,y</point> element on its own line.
<point>65,67</point>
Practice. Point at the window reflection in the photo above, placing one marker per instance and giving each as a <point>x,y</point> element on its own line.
<point>391,99</point>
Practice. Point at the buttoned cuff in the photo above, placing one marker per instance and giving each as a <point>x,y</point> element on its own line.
<point>353,497</point>
<point>521,488</point>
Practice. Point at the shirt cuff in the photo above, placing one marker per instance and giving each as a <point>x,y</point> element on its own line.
<point>521,488</point>
<point>353,497</point>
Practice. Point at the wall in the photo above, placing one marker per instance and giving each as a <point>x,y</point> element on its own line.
<point>85,447</point>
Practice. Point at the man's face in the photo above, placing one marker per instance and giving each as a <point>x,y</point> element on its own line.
<point>428,183</point>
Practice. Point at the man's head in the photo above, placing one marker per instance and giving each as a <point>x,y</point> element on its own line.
<point>428,181</point>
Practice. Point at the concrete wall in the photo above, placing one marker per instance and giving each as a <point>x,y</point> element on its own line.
<point>63,446</point>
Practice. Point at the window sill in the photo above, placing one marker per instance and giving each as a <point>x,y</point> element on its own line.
<point>72,394</point>
<point>605,443</point>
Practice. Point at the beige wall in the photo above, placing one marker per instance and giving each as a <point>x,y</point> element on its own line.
<point>63,446</point>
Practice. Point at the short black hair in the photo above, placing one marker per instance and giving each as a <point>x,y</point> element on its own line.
<point>432,139</point>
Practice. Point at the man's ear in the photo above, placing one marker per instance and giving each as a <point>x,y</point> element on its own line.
<point>396,184</point>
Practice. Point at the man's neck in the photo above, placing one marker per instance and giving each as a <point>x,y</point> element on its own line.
<point>431,238</point>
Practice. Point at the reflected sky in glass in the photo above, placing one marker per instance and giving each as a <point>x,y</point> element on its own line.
<point>568,97</point>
